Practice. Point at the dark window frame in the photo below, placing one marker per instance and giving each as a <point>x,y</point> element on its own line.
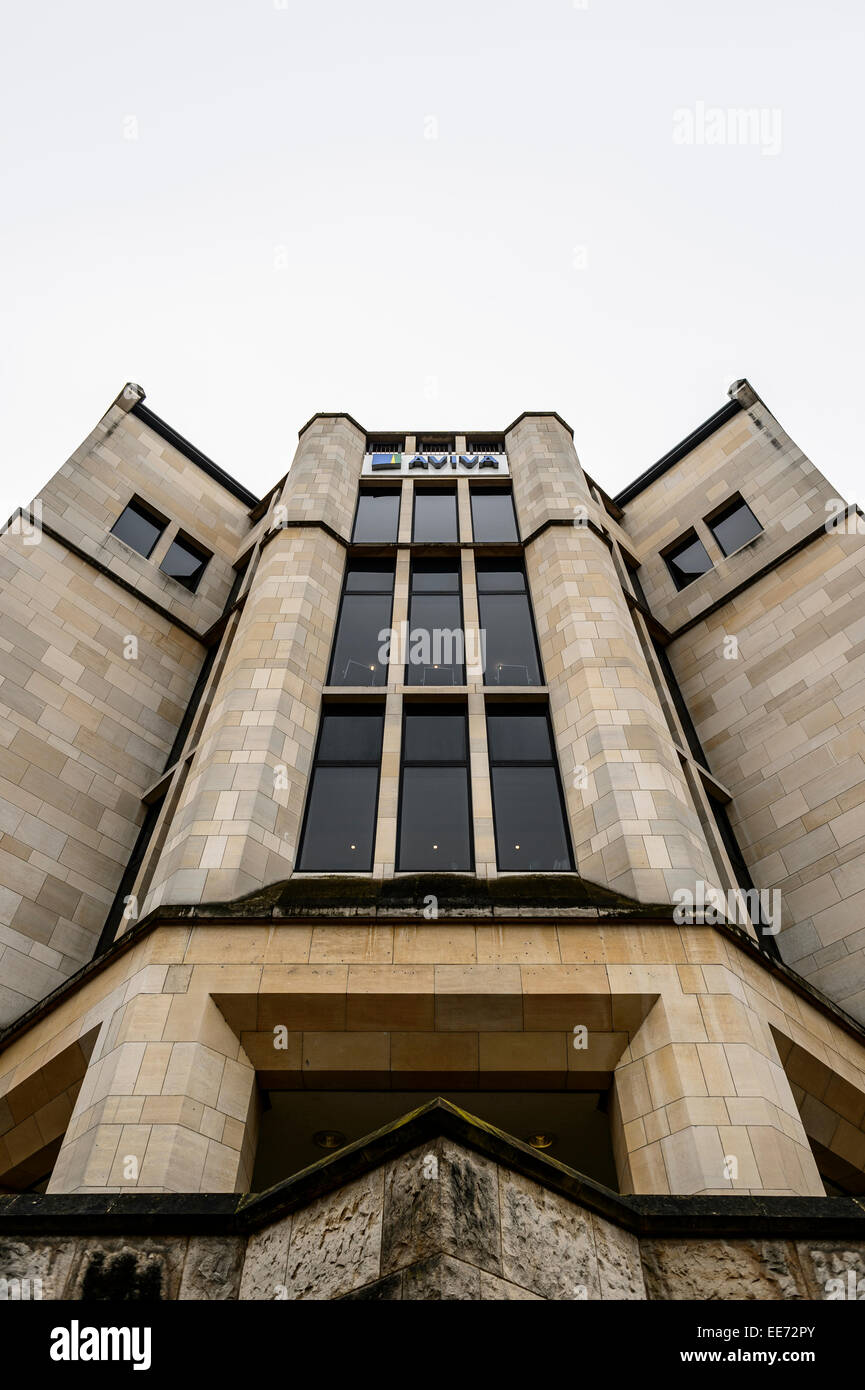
<point>345,707</point>
<point>534,707</point>
<point>149,513</point>
<point>441,706</point>
<point>427,489</point>
<point>435,593</point>
<point>520,562</point>
<point>723,513</point>
<point>500,489</point>
<point>182,540</point>
<point>353,562</point>
<point>381,488</point>
<point>684,542</point>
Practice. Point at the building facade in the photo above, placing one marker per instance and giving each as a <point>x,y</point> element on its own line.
<point>435,773</point>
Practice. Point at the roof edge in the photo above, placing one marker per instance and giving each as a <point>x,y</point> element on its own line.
<point>189,451</point>
<point>680,451</point>
<point>549,414</point>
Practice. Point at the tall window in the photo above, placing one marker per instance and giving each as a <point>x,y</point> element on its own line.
<point>377,516</point>
<point>511,652</point>
<point>339,829</point>
<point>493,517</point>
<point>139,527</point>
<point>364,614</point>
<point>435,514</point>
<point>436,653</point>
<point>434,811</point>
<point>528,809</point>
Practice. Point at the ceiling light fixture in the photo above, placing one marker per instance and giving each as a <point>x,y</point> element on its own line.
<point>329,1139</point>
<point>541,1141</point>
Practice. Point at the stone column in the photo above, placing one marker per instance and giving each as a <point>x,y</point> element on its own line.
<point>168,1104</point>
<point>633,824</point>
<point>238,822</point>
<point>701,1101</point>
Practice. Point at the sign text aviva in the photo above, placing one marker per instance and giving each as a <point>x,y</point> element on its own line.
<point>419,464</point>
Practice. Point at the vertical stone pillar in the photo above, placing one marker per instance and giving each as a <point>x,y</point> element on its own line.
<point>238,822</point>
<point>168,1104</point>
<point>633,824</point>
<point>702,1105</point>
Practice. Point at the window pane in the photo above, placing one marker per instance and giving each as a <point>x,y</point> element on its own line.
<point>493,515</point>
<point>435,576</point>
<point>530,832</point>
<point>519,735</point>
<point>436,643</point>
<point>688,562</point>
<point>511,655</point>
<point>358,643</point>
<point>497,574</point>
<point>340,819</point>
<point>377,516</point>
<point>138,529</point>
<point>351,733</point>
<point>735,527</point>
<point>435,514</point>
<point>434,736</point>
<point>434,819</point>
<point>184,564</point>
<point>366,576</point>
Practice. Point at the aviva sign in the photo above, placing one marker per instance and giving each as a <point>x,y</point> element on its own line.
<point>435,463</point>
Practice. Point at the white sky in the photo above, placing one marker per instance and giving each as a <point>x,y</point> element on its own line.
<point>282,238</point>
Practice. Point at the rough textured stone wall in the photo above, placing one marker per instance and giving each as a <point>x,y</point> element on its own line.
<point>440,1222</point>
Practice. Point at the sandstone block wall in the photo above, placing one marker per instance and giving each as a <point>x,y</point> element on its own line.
<point>87,719</point>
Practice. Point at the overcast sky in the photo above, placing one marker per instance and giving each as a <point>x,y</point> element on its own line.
<point>431,215</point>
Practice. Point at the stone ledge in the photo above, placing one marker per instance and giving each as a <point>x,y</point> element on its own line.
<point>719,1218</point>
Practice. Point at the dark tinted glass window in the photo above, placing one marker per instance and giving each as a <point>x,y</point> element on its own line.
<point>377,517</point>
<point>493,517</point>
<point>435,828</point>
<point>185,562</point>
<point>498,576</point>
<point>436,652</point>
<point>351,734</point>
<point>435,577</point>
<point>369,577</point>
<point>507,629</point>
<point>735,527</point>
<point>688,561</point>
<point>434,735</point>
<point>339,829</point>
<point>360,647</point>
<point>435,514</point>
<point>139,528</point>
<point>530,831</point>
<point>519,735</point>
<point>527,799</point>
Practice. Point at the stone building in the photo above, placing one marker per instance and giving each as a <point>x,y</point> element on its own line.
<point>438,797</point>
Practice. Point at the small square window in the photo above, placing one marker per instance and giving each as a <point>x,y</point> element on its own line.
<point>734,526</point>
<point>186,562</point>
<point>137,526</point>
<point>688,560</point>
